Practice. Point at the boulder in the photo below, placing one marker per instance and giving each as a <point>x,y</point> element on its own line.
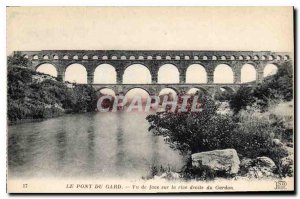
<point>287,165</point>
<point>261,167</point>
<point>277,142</point>
<point>246,163</point>
<point>225,160</point>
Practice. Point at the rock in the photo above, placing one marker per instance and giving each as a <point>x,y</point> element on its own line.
<point>290,144</point>
<point>287,165</point>
<point>219,160</point>
<point>168,176</point>
<point>290,150</point>
<point>277,142</point>
<point>246,163</point>
<point>262,167</point>
<point>265,162</point>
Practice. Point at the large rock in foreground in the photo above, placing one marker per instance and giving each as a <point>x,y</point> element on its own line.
<point>225,160</point>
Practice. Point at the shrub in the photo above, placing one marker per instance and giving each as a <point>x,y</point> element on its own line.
<point>273,88</point>
<point>193,131</point>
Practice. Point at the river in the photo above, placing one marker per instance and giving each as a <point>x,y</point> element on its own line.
<point>89,145</point>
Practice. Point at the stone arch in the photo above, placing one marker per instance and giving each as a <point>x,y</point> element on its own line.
<point>95,57</point>
<point>286,57</point>
<point>85,57</point>
<point>76,73</point>
<point>114,57</point>
<point>196,73</point>
<point>140,72</point>
<point>205,57</point>
<point>136,87</point>
<point>75,57</point>
<point>270,69</point>
<point>248,73</point>
<point>46,57</point>
<point>165,90</point>
<point>232,57</point>
<point>47,68</point>
<point>66,57</point>
<point>255,57</point>
<point>55,57</point>
<point>105,74</point>
<point>35,57</point>
<point>278,57</point>
<point>168,73</point>
<point>223,74</point>
<point>223,57</point>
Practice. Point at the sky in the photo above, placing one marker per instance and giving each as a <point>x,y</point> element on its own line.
<point>149,28</point>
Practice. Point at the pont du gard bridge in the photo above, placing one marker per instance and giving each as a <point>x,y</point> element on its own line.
<point>153,60</point>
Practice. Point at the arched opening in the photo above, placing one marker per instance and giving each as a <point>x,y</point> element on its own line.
<point>47,69</point>
<point>105,74</point>
<point>223,74</point>
<point>135,96</point>
<point>169,92</point>
<point>196,73</point>
<point>167,74</point>
<point>137,74</point>
<point>76,73</point>
<point>270,69</point>
<point>165,91</point>
<point>197,91</point>
<point>248,73</point>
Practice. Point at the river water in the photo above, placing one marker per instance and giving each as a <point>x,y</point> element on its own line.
<point>89,145</point>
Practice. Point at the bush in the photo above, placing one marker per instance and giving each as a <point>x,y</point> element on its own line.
<point>194,131</point>
<point>29,99</point>
<point>275,87</point>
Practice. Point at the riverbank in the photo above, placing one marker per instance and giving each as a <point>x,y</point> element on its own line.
<point>33,96</point>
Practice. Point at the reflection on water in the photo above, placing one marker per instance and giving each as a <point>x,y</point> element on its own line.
<point>99,145</point>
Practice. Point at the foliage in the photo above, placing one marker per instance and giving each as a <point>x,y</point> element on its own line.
<point>250,133</point>
<point>276,87</point>
<point>34,99</point>
<point>17,59</point>
<point>193,131</point>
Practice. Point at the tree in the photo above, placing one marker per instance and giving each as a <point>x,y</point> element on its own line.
<point>17,59</point>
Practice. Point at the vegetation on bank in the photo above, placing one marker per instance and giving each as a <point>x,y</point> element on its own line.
<point>32,95</point>
<point>251,130</point>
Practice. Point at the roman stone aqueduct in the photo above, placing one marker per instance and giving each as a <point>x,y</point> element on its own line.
<point>153,60</point>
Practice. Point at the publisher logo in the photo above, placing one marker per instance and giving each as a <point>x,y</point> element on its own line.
<point>280,185</point>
